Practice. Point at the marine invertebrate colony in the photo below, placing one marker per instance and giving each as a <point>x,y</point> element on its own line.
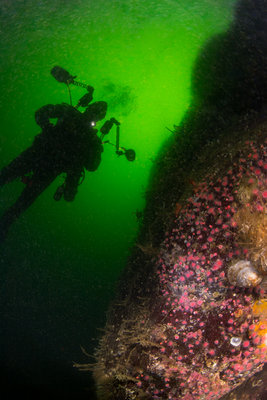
<point>201,336</point>
<point>213,340</point>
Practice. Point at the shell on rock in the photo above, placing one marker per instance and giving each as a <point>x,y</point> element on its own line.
<point>243,274</point>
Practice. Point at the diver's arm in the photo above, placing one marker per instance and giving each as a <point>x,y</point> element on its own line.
<point>43,114</point>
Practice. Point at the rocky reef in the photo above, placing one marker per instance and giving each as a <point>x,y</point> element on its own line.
<point>194,326</point>
<point>190,318</point>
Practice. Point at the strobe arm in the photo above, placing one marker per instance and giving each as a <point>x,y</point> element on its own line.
<point>120,151</point>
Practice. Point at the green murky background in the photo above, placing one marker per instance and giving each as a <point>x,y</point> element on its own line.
<point>61,261</point>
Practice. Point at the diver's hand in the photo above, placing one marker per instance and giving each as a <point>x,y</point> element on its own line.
<point>90,89</point>
<point>114,121</point>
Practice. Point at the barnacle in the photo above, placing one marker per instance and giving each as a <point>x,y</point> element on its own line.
<point>243,274</point>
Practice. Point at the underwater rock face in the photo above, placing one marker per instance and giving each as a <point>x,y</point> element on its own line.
<point>213,340</point>
<point>200,336</point>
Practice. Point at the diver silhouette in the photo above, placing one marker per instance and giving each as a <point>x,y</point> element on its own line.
<point>67,147</point>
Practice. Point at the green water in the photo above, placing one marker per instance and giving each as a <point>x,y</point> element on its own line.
<point>61,260</point>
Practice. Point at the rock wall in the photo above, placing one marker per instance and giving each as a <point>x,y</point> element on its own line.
<point>194,325</point>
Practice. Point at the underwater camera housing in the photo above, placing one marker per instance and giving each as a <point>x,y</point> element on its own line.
<point>63,76</point>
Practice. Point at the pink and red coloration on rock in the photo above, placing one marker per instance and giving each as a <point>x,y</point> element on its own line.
<point>206,341</point>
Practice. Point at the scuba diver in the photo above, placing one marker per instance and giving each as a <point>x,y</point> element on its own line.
<point>69,146</point>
